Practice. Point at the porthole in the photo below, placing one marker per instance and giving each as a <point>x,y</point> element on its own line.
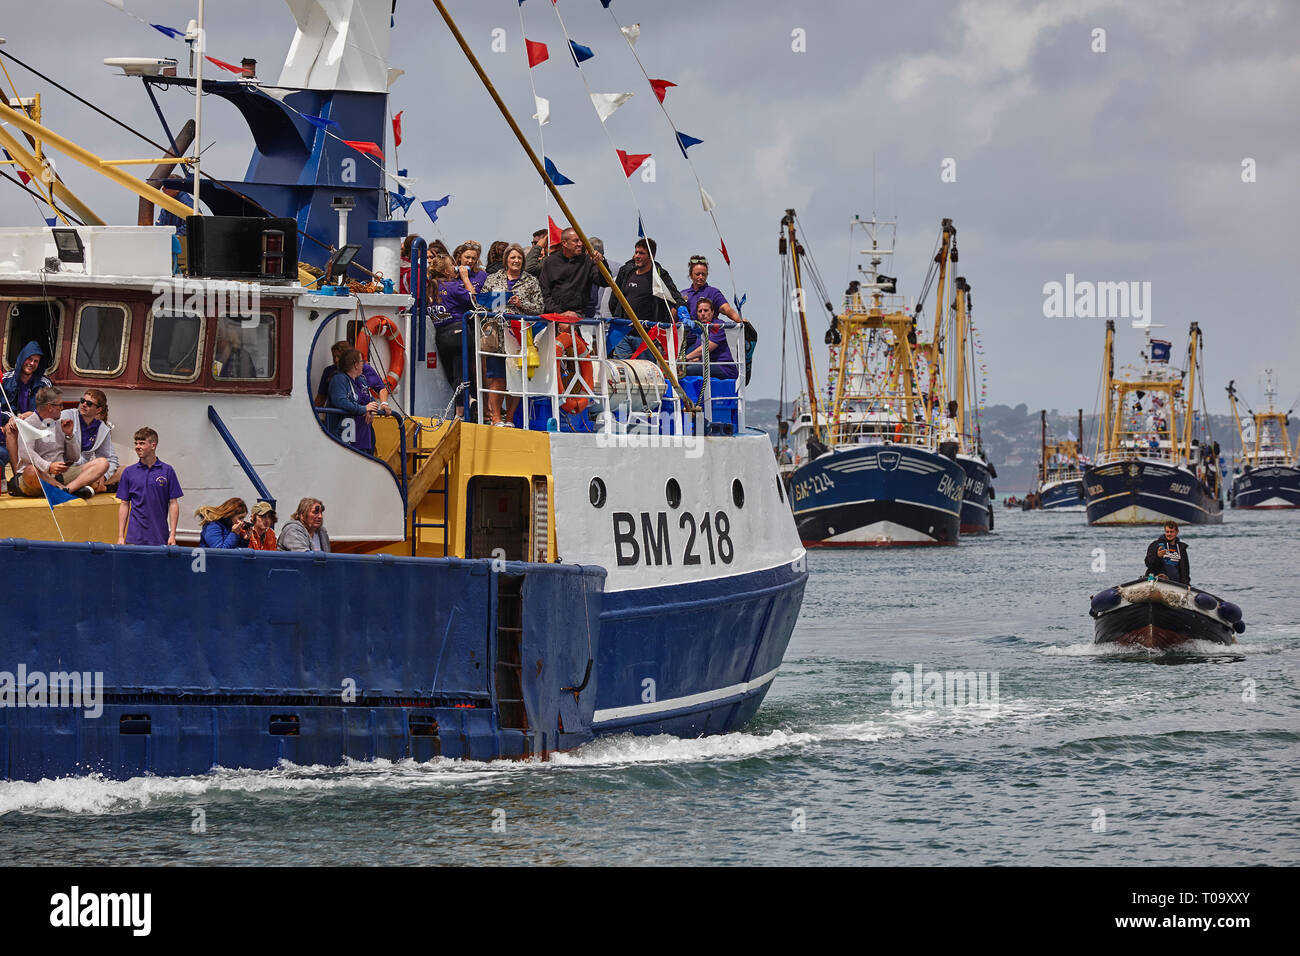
<point>738,493</point>
<point>596,491</point>
<point>673,492</point>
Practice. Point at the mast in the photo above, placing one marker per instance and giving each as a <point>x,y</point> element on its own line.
<point>959,380</point>
<point>1108,384</point>
<point>198,49</point>
<point>1193,356</point>
<point>1078,446</point>
<point>938,380</point>
<point>795,249</point>
<point>1236,418</point>
<point>1042,454</point>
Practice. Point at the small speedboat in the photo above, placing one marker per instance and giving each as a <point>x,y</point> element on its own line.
<point>1160,614</point>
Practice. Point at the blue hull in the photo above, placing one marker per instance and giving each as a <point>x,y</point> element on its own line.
<point>244,659</point>
<point>977,497</point>
<point>1147,492</point>
<point>1062,494</point>
<point>1274,486</point>
<point>693,659</point>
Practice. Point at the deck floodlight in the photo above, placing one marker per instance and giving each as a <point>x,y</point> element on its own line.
<point>339,261</point>
<point>68,242</point>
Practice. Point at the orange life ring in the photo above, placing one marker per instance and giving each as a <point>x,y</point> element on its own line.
<point>572,341</point>
<point>383,326</point>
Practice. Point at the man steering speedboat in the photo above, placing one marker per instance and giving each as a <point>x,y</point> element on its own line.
<point>1167,556</point>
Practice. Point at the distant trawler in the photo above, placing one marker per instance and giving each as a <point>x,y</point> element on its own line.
<point>1266,474</point>
<point>1153,462</point>
<point>1060,470</point>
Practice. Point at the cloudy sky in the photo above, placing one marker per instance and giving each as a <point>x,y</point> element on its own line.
<point>1122,165</point>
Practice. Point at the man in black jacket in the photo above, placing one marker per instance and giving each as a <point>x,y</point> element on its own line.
<point>636,281</point>
<point>568,275</point>
<point>1167,556</point>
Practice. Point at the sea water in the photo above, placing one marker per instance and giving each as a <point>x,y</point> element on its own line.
<point>936,706</point>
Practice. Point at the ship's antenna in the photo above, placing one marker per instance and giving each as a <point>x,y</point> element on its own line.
<point>198,45</point>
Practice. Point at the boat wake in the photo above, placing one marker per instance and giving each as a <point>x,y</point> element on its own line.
<point>1186,651</point>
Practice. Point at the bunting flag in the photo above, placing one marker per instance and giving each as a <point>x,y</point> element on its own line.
<point>640,228</point>
<point>631,161</point>
<point>319,122</point>
<point>659,290</point>
<point>397,199</point>
<point>725,258</point>
<point>393,74</point>
<point>168,31</point>
<point>543,114</point>
<point>57,496</point>
<point>22,173</point>
<point>397,129</point>
<point>431,206</point>
<point>554,175</point>
<point>660,87</point>
<point>227,66</point>
<point>686,142</point>
<point>632,33</point>
<point>51,222</point>
<point>552,232</point>
<point>365,146</point>
<point>537,52</point>
<point>707,201</point>
<point>740,303</point>
<point>607,103</point>
<point>580,52</point>
<point>403,181</point>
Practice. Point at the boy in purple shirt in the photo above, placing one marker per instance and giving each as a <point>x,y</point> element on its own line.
<point>148,494</point>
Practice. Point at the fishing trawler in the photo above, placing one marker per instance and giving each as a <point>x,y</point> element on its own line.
<point>1155,460</point>
<point>1060,474</point>
<point>1266,474</point>
<point>621,561</point>
<point>873,474</point>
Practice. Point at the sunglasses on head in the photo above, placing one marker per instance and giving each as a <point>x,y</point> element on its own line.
<point>699,261</point>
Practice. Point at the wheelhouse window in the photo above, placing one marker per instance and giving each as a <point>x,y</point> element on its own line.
<point>172,346</point>
<point>245,348</point>
<point>33,320</point>
<point>99,339</point>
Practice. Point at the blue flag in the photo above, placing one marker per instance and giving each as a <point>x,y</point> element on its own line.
<point>396,199</point>
<point>580,52</point>
<point>640,229</point>
<point>555,176</point>
<point>431,206</point>
<point>169,31</point>
<point>1160,350</point>
<point>686,142</point>
<point>57,496</point>
<point>320,122</point>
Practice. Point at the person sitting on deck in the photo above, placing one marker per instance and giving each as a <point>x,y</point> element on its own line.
<point>51,460</point>
<point>699,288</point>
<point>148,509</point>
<point>90,430</point>
<point>568,275</point>
<point>305,531</point>
<point>378,387</point>
<point>21,383</point>
<point>1167,557</point>
<point>637,284</point>
<point>261,536</point>
<point>225,526</point>
<point>349,394</point>
<point>721,362</point>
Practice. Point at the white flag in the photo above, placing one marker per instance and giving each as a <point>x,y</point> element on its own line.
<point>543,114</point>
<point>393,74</point>
<point>607,103</point>
<point>707,201</point>
<point>632,33</point>
<point>406,182</point>
<point>116,3</point>
<point>658,288</point>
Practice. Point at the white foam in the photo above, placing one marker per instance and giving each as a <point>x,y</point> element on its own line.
<point>1185,649</point>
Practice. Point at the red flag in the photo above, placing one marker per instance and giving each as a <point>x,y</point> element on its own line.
<point>552,232</point>
<point>397,129</point>
<point>631,161</point>
<point>228,66</point>
<point>364,146</point>
<point>725,258</point>
<point>536,52</point>
<point>660,87</point>
<point>24,177</point>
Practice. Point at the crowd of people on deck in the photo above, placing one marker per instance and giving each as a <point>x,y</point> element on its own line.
<point>564,279</point>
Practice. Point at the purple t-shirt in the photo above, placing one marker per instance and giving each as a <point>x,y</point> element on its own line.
<point>693,296</point>
<point>149,491</point>
<point>452,295</point>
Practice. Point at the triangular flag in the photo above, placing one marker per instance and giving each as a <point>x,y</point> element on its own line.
<point>660,87</point>
<point>168,31</point>
<point>51,222</point>
<point>537,52</point>
<point>607,103</point>
<point>658,289</point>
<point>397,129</point>
<point>640,229</point>
<point>726,258</point>
<point>740,303</point>
<point>30,432</point>
<point>227,66</point>
<point>707,201</point>
<point>631,161</point>
<point>686,142</point>
<point>397,199</point>
<point>431,206</point>
<point>555,175</point>
<point>365,146</point>
<point>319,122</point>
<point>632,33</point>
<point>580,52</point>
<point>543,114</point>
<point>552,232</point>
<point>57,496</point>
<point>393,74</point>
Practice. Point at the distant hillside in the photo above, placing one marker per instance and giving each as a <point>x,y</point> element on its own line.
<point>1011,437</point>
